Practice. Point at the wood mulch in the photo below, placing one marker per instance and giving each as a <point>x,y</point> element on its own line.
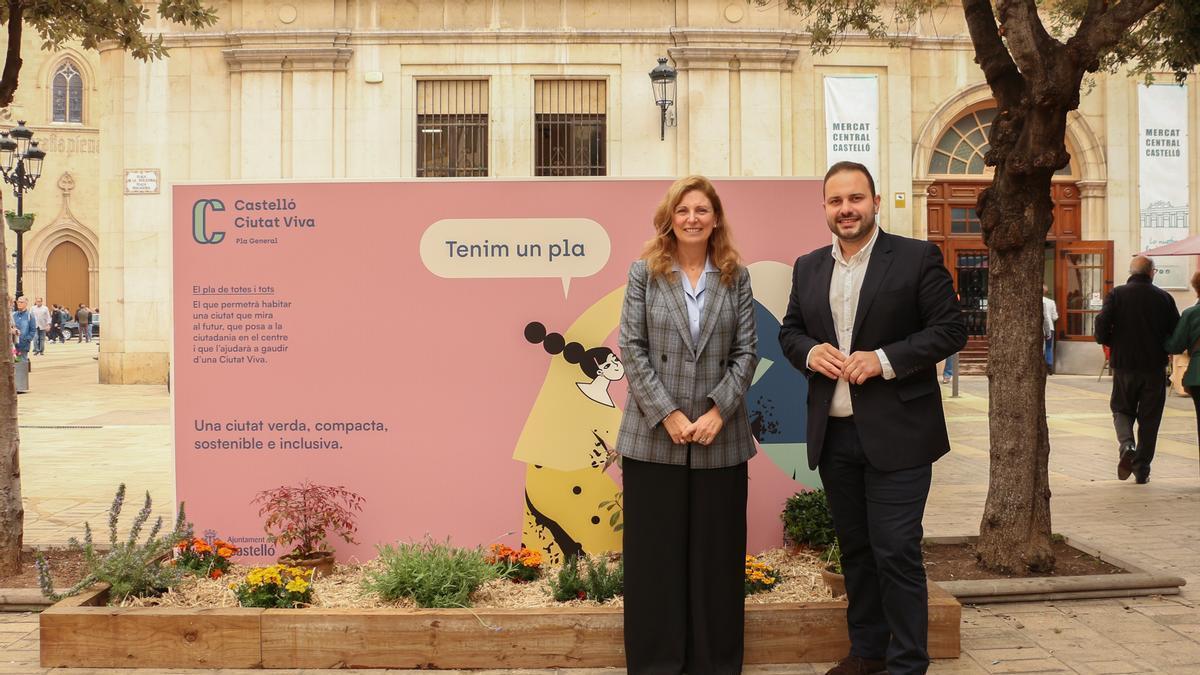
<point>799,571</point>
<point>956,562</point>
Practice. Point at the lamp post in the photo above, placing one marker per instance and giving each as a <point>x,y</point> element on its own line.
<point>662,80</point>
<point>21,164</point>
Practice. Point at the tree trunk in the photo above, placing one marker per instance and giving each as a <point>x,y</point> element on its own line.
<point>1016,212</point>
<point>12,514</point>
<point>1015,532</point>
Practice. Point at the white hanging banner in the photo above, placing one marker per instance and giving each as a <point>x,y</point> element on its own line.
<point>1163,175</point>
<point>852,122</point>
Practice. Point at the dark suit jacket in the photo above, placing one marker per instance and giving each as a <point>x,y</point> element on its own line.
<point>906,307</point>
<point>1136,320</point>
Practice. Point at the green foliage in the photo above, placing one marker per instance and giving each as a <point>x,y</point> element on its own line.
<point>807,519</point>
<point>616,509</point>
<point>92,22</point>
<point>600,583</point>
<point>431,573</point>
<point>1167,39</point>
<point>130,568</point>
<point>829,21</point>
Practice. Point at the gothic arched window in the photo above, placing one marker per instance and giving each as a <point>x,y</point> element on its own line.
<point>67,105</point>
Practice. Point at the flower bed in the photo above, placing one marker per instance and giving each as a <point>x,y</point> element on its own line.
<point>199,625</point>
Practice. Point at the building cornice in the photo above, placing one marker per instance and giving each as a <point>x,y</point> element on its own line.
<point>287,50</point>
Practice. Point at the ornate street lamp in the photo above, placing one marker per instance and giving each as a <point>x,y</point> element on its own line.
<point>21,164</point>
<point>662,80</point>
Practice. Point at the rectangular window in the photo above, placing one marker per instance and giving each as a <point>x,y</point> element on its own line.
<point>570,128</point>
<point>452,128</point>
<point>1085,279</point>
<point>964,221</point>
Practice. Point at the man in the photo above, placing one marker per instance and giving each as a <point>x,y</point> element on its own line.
<point>24,327</point>
<point>1134,323</point>
<point>41,315</point>
<point>1049,317</point>
<point>83,316</point>
<point>56,322</point>
<point>868,320</point>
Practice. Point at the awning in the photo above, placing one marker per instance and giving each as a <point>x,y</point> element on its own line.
<point>1189,246</point>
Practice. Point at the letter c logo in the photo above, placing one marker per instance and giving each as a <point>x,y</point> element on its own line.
<point>199,213</point>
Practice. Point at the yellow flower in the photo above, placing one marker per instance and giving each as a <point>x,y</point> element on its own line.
<point>297,586</point>
<point>769,581</point>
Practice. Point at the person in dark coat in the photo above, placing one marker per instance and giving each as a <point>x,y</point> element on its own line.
<point>1135,322</point>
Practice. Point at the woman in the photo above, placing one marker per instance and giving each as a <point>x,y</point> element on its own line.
<point>1187,338</point>
<point>688,343</point>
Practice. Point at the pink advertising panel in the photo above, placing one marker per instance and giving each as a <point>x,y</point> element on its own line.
<point>413,342</point>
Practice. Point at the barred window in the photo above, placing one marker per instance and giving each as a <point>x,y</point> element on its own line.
<point>452,128</point>
<point>67,105</point>
<point>570,128</point>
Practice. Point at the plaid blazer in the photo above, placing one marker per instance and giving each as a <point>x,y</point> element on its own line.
<point>667,372</point>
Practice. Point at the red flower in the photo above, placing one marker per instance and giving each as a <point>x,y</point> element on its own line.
<point>215,574</point>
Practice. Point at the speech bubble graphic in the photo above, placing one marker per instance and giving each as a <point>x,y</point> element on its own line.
<point>515,248</point>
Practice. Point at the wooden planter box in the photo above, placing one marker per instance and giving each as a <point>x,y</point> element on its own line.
<point>80,632</point>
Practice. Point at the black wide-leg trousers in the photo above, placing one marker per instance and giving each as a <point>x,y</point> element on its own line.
<point>1138,396</point>
<point>685,558</point>
<point>877,516</point>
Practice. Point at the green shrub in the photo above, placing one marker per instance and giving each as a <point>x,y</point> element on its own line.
<point>130,568</point>
<point>600,583</point>
<point>807,519</point>
<point>431,573</point>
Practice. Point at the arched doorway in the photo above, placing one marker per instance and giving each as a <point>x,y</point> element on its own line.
<point>1077,272</point>
<point>67,276</point>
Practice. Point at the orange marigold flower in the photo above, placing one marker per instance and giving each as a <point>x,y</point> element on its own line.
<point>224,552</point>
<point>215,574</point>
<point>202,548</point>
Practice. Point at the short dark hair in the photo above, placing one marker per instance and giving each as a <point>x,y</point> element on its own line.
<point>1196,282</point>
<point>849,166</point>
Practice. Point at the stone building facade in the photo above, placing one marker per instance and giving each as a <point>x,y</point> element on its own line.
<point>342,89</point>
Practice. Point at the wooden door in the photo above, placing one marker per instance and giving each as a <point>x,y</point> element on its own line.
<point>67,276</point>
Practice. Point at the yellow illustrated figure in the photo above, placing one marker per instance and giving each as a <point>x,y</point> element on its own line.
<point>569,437</point>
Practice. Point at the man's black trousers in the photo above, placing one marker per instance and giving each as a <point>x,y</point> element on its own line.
<point>685,561</point>
<point>1138,396</point>
<point>877,515</point>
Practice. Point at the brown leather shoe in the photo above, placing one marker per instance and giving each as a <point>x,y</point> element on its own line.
<point>857,665</point>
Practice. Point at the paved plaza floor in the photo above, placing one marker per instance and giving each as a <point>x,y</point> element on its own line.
<point>79,439</point>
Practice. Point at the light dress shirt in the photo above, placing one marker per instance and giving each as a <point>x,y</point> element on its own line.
<point>693,298</point>
<point>1049,316</point>
<point>41,314</point>
<point>844,288</point>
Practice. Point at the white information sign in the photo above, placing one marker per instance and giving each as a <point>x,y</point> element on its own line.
<point>1163,175</point>
<point>141,181</point>
<point>852,122</point>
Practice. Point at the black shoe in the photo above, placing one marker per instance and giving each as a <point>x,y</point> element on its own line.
<point>1143,475</point>
<point>857,665</point>
<point>1125,464</point>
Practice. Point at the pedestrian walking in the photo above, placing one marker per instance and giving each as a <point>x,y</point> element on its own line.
<point>1134,323</point>
<point>24,327</point>
<point>41,315</point>
<point>1186,339</point>
<point>83,316</point>
<point>1049,318</point>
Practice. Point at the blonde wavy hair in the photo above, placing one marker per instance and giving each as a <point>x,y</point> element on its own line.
<point>659,252</point>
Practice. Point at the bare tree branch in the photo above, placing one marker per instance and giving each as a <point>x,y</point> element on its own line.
<point>1107,28</point>
<point>990,53</point>
<point>12,59</point>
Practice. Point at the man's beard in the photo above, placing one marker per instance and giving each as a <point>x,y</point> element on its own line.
<point>863,229</point>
